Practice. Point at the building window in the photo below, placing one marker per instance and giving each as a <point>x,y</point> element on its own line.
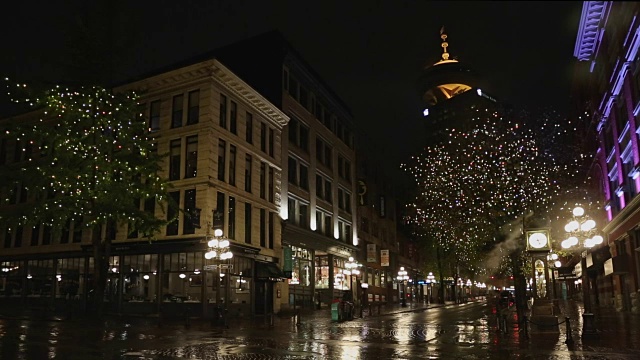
<point>344,200</point>
<point>293,171</point>
<point>299,134</point>
<point>298,212</point>
<point>189,223</point>
<point>247,173</point>
<point>64,234</point>
<point>263,137</point>
<point>77,226</point>
<point>263,225</point>
<point>301,270</point>
<point>344,168</point>
<point>46,235</point>
<point>194,107</point>
<point>218,221</point>
<point>272,233</point>
<point>7,238</point>
<point>271,185</point>
<point>323,188</point>
<point>191,157</point>
<point>173,214</point>
<point>323,152</point>
<point>233,118</point>
<point>298,173</point>
<point>263,179</point>
<point>154,116</point>
<point>222,148</point>
<point>223,111</point>
<point>17,242</point>
<point>324,223</point>
<point>247,223</point>
<point>271,141</point>
<point>174,163</point>
<point>232,218</point>
<point>35,235</point>
<point>176,115</point>
<point>232,165</point>
<point>344,231</point>
<point>249,128</point>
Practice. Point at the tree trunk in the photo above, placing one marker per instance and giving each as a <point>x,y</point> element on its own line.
<point>101,253</point>
<point>441,287</point>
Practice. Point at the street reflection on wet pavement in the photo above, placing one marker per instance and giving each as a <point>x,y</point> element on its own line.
<point>455,331</point>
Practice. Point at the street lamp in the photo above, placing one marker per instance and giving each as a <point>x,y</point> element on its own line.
<point>402,279</point>
<point>219,250</point>
<point>554,264</point>
<point>352,269</point>
<point>363,300</point>
<point>582,232</point>
<point>431,279</point>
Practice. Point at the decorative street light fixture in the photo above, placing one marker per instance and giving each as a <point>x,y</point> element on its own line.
<point>402,280</point>
<point>219,250</point>
<point>431,279</point>
<point>554,264</point>
<point>363,301</point>
<point>583,233</point>
<point>353,269</point>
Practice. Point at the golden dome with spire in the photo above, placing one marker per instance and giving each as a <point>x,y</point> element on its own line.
<point>446,78</point>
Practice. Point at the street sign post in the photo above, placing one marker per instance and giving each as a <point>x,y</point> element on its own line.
<point>216,267</point>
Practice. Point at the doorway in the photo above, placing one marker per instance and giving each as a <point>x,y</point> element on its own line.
<point>264,298</point>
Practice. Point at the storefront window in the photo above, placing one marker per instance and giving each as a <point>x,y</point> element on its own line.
<point>182,279</point>
<point>10,278</point>
<point>70,278</point>
<point>340,280</point>
<point>301,271</point>
<point>40,278</point>
<point>322,272</point>
<point>140,277</point>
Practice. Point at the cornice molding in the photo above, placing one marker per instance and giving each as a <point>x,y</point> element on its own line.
<point>237,86</point>
<point>593,12</point>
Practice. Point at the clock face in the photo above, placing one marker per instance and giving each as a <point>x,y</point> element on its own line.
<point>537,240</point>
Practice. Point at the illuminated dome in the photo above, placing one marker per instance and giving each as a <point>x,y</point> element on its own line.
<point>446,78</point>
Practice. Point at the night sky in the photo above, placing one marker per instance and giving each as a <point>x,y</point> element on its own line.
<point>369,52</point>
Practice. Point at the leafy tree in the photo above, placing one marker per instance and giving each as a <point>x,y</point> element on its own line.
<point>478,180</point>
<point>83,156</point>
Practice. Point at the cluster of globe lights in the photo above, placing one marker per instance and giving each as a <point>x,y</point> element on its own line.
<point>581,225</point>
<point>352,267</point>
<point>218,248</point>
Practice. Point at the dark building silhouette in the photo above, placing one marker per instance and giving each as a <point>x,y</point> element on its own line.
<point>452,94</point>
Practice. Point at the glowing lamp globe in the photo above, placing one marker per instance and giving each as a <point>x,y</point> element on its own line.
<point>213,243</point>
<point>578,211</point>
<point>588,225</point>
<point>217,232</point>
<point>597,240</point>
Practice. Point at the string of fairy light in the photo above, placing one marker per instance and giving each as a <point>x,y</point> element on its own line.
<point>488,175</point>
<point>85,154</point>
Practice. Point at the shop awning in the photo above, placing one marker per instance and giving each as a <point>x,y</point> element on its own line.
<point>268,272</point>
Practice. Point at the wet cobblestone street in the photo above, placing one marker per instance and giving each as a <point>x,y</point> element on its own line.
<point>454,331</point>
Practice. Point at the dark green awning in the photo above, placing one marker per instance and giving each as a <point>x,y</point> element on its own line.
<point>268,272</point>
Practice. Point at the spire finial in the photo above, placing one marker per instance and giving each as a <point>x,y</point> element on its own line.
<point>445,44</point>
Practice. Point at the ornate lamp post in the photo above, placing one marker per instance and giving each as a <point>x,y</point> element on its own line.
<point>402,280</point>
<point>583,235</point>
<point>554,264</point>
<point>219,251</point>
<point>353,269</point>
<point>431,279</point>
